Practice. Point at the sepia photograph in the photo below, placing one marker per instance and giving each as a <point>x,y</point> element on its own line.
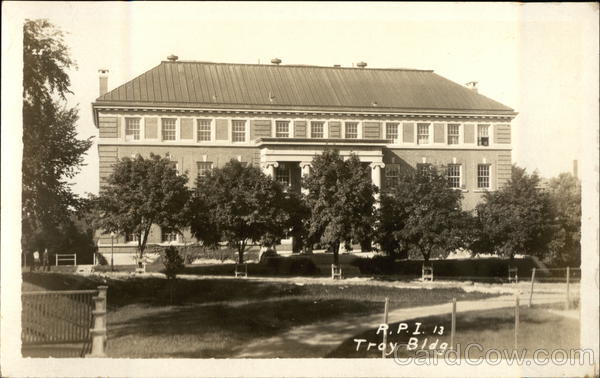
<point>299,189</point>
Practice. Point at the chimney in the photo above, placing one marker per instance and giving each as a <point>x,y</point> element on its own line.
<point>361,64</point>
<point>172,58</point>
<point>103,88</point>
<point>575,169</point>
<point>276,61</point>
<point>472,85</point>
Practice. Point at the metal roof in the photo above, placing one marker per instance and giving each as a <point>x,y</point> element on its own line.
<point>226,85</point>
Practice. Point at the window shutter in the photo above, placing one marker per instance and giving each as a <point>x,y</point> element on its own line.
<point>187,128</point>
<point>469,132</point>
<point>222,129</point>
<point>335,129</point>
<point>408,132</point>
<point>151,127</point>
<point>300,129</point>
<point>438,133</point>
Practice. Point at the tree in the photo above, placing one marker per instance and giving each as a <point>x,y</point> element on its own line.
<point>421,217</point>
<point>173,263</point>
<point>52,154</point>
<point>140,193</point>
<point>340,199</point>
<point>517,218</point>
<point>565,196</point>
<point>238,204</point>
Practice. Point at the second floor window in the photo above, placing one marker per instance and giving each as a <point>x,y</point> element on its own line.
<point>169,129</point>
<point>391,131</point>
<point>282,129</point>
<point>238,131</point>
<point>204,131</point>
<point>483,176</point>
<point>453,133</point>
<point>422,133</point>
<point>454,176</point>
<point>132,128</point>
<point>483,135</point>
<point>167,236</point>
<point>351,130</point>
<point>203,168</point>
<point>316,129</point>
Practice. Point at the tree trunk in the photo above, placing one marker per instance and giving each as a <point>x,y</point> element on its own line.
<point>241,255</point>
<point>336,254</point>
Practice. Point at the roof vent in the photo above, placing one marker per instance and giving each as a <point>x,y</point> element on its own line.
<point>172,58</point>
<point>276,61</point>
<point>361,64</point>
<point>472,85</point>
<point>337,65</point>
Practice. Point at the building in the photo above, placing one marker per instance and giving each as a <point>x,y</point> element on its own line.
<point>278,117</point>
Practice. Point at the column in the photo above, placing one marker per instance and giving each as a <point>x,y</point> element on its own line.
<point>376,178</point>
<point>269,168</point>
<point>305,167</point>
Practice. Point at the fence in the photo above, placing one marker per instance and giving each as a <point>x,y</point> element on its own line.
<point>53,321</point>
<point>66,257</point>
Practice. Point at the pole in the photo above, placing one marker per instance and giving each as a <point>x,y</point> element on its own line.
<point>531,289</point>
<point>568,303</point>
<point>112,252</point>
<point>516,321</point>
<point>385,321</point>
<point>453,325</point>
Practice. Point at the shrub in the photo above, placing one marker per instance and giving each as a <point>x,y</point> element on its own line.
<point>173,262</point>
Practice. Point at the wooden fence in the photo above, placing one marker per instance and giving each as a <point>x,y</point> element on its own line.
<point>50,318</point>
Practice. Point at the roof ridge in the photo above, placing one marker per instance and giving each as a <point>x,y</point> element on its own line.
<point>294,65</point>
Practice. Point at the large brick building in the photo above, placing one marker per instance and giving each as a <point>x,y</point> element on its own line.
<point>278,117</point>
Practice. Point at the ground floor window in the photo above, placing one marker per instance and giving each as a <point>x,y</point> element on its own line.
<point>483,176</point>
<point>282,174</point>
<point>424,169</point>
<point>131,237</point>
<point>453,174</point>
<point>203,168</point>
<point>392,175</point>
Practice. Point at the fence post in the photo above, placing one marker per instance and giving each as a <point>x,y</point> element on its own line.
<point>568,300</point>
<point>453,325</point>
<point>385,321</point>
<point>98,333</point>
<point>531,289</point>
<point>516,321</point>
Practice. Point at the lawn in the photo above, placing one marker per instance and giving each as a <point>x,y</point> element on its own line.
<point>538,328</point>
<point>216,318</point>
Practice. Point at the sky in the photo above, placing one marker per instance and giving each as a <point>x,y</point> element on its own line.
<point>533,58</point>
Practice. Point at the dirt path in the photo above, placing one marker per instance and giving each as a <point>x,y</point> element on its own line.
<point>318,339</point>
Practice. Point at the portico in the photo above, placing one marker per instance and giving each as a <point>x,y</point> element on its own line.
<point>277,153</point>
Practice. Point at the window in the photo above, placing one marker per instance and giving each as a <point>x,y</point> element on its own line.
<point>392,174</point>
<point>422,133</point>
<point>454,176</point>
<point>483,176</point>
<point>203,168</point>
<point>424,169</point>
<point>169,129</point>
<point>131,237</point>
<point>204,130</point>
<point>316,129</point>
<point>238,131</point>
<point>282,129</point>
<point>351,130</point>
<point>132,128</point>
<point>483,136</point>
<point>282,174</point>
<point>453,133</point>
<point>391,131</point>
<point>167,236</point>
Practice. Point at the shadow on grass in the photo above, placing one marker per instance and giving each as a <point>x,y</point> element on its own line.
<point>216,331</point>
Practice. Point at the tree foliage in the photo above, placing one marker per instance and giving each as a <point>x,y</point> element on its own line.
<point>239,204</point>
<point>141,192</point>
<point>565,195</point>
<point>340,199</point>
<point>421,217</point>
<point>517,218</point>
<point>52,154</point>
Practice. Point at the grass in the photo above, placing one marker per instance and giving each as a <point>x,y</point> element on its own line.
<point>538,328</point>
<point>216,318</point>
